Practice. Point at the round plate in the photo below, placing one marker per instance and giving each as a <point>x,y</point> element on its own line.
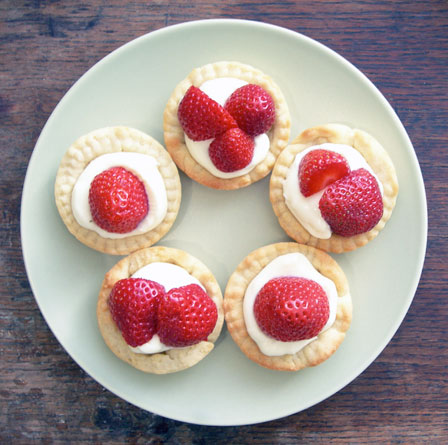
<point>130,87</point>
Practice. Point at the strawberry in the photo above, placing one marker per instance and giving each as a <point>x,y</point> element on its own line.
<point>353,204</point>
<point>231,151</point>
<point>117,200</point>
<point>187,315</point>
<point>291,308</point>
<point>319,168</point>
<point>133,305</point>
<point>253,109</point>
<point>201,117</point>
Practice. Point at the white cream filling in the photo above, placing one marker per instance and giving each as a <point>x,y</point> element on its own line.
<point>292,265</point>
<point>220,90</point>
<point>306,209</point>
<point>142,166</point>
<point>170,276</point>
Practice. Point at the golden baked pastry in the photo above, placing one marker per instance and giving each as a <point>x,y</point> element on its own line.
<point>326,342</point>
<point>175,138</point>
<point>115,140</point>
<point>376,157</point>
<point>171,360</point>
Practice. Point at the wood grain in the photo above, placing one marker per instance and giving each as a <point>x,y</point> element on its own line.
<point>45,46</point>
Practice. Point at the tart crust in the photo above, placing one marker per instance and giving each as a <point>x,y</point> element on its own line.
<point>110,140</point>
<point>375,155</point>
<point>172,360</point>
<point>313,353</point>
<point>174,134</point>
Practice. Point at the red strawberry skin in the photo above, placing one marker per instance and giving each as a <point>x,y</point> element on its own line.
<point>133,305</point>
<point>253,109</point>
<point>118,200</point>
<point>353,204</point>
<point>319,168</point>
<point>201,117</point>
<point>187,315</point>
<point>231,151</point>
<point>291,308</point>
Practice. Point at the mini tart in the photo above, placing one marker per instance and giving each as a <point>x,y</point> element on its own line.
<point>111,140</point>
<point>313,353</point>
<point>174,134</point>
<point>375,155</point>
<point>174,359</point>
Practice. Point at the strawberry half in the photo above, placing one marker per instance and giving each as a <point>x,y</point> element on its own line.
<point>231,151</point>
<point>253,109</point>
<point>353,204</point>
<point>118,200</point>
<point>133,305</point>
<point>201,117</point>
<point>291,308</point>
<point>319,168</point>
<point>187,315</point>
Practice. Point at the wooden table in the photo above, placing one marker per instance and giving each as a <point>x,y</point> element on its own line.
<point>402,46</point>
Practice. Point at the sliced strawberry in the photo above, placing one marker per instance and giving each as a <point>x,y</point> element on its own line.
<point>201,117</point>
<point>291,308</point>
<point>253,109</point>
<point>187,315</point>
<point>118,200</point>
<point>353,204</point>
<point>231,151</point>
<point>133,305</point>
<point>319,168</point>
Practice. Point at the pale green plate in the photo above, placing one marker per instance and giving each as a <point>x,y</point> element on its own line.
<point>130,87</point>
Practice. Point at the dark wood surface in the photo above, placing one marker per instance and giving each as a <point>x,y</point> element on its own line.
<point>45,46</point>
